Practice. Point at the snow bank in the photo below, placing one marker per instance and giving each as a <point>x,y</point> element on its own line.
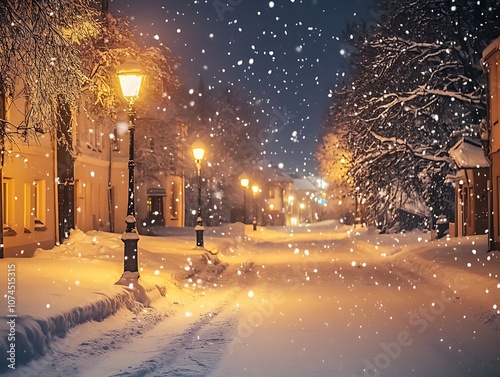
<point>34,334</point>
<point>462,265</point>
<point>81,281</point>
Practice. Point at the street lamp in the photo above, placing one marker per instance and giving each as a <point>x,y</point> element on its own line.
<point>255,190</point>
<point>131,75</point>
<point>244,183</point>
<point>198,151</point>
<point>302,206</point>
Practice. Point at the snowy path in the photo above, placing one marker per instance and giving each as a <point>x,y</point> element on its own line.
<point>185,340</point>
<point>344,326</point>
<point>189,343</point>
<point>324,307</point>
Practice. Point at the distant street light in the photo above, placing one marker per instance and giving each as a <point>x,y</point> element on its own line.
<point>244,183</point>
<point>131,75</point>
<point>255,190</point>
<point>198,151</point>
<point>302,206</point>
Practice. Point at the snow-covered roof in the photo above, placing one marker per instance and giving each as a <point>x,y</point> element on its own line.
<point>468,154</point>
<point>275,174</point>
<point>415,206</point>
<point>456,177</point>
<point>304,185</point>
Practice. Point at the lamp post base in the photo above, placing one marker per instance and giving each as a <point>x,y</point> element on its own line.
<point>199,235</point>
<point>199,238</point>
<point>130,240</point>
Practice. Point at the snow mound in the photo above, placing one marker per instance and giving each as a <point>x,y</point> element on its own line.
<point>34,334</point>
<point>142,290</point>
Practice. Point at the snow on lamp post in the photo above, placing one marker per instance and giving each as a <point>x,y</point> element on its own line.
<point>131,75</point>
<point>198,149</point>
<point>244,181</point>
<point>255,190</point>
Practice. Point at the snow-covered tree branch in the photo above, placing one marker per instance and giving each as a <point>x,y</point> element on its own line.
<point>413,93</point>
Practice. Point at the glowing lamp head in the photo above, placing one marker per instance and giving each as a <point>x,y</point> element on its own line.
<point>131,75</point>
<point>198,149</point>
<point>244,182</point>
<point>255,189</point>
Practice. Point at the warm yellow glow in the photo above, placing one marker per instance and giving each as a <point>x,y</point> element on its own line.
<point>290,198</point>
<point>131,85</point>
<point>198,153</point>
<point>131,75</point>
<point>245,182</point>
<point>302,206</point>
<point>255,189</point>
<point>294,221</point>
<point>271,206</point>
<point>198,149</point>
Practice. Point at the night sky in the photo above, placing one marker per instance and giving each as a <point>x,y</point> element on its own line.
<point>284,54</point>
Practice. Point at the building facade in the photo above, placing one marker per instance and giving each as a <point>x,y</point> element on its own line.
<point>491,65</point>
<point>279,199</point>
<point>29,192</point>
<point>50,189</point>
<point>471,189</point>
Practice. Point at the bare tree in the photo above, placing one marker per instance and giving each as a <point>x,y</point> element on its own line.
<point>40,62</point>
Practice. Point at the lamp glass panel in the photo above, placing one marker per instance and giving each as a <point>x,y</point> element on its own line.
<point>131,85</point>
<point>198,153</point>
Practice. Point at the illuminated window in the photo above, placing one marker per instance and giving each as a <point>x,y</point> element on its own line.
<point>174,202</point>
<point>39,210</point>
<point>27,208</point>
<point>8,198</point>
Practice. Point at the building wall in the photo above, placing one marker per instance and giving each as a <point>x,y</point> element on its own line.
<point>91,194</point>
<point>29,195</point>
<point>175,206</point>
<point>170,189</point>
<point>97,166</point>
<point>279,205</point>
<point>471,203</point>
<point>491,59</point>
<point>100,175</point>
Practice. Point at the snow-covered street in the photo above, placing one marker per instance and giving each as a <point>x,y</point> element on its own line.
<point>323,300</point>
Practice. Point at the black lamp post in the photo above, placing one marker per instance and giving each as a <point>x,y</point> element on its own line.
<point>198,151</point>
<point>244,181</point>
<point>131,76</point>
<point>255,190</point>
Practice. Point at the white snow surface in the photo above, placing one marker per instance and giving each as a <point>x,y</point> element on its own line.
<point>322,300</point>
